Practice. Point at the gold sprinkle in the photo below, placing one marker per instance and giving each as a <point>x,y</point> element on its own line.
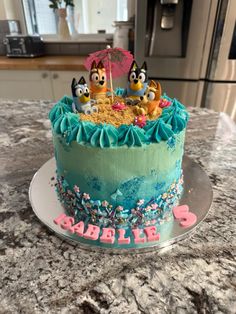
<point>107,115</point>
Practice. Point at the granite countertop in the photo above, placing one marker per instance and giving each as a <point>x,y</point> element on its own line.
<point>40,273</point>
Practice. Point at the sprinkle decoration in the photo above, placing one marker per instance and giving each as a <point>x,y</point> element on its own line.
<point>103,214</point>
<point>140,121</point>
<point>119,106</point>
<point>164,103</point>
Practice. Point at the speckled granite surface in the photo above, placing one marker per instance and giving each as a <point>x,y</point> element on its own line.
<point>39,273</point>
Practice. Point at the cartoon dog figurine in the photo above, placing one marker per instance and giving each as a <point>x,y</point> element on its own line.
<point>137,83</point>
<point>149,104</point>
<point>81,97</point>
<point>98,83</point>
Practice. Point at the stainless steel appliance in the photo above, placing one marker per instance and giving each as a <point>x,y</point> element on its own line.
<point>187,45</point>
<point>8,27</point>
<point>220,85</point>
<point>24,46</point>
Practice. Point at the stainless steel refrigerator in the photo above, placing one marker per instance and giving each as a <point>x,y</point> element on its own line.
<point>190,47</point>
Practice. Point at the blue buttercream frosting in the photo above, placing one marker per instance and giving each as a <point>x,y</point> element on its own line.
<point>81,132</point>
<point>157,130</point>
<point>104,136</point>
<point>131,135</point>
<point>65,123</point>
<point>172,121</point>
<point>58,110</point>
<point>176,116</point>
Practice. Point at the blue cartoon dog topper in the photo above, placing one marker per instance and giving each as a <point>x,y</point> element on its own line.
<point>137,83</point>
<point>81,97</point>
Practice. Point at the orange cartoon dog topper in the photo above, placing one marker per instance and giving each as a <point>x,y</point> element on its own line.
<point>98,83</point>
<point>149,102</point>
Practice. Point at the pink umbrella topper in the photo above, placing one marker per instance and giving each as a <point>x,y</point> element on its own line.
<point>117,61</point>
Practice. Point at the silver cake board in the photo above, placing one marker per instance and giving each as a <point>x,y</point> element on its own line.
<point>197,195</point>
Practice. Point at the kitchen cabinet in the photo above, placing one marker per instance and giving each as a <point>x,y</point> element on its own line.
<point>37,84</point>
<point>25,85</point>
<point>61,81</point>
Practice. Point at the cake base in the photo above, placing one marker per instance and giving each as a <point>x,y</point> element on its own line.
<point>197,195</point>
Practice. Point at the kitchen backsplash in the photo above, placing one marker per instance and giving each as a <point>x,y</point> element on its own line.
<point>75,48</point>
<point>64,48</point>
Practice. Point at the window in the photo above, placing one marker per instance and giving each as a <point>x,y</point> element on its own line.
<point>86,17</point>
<point>40,19</point>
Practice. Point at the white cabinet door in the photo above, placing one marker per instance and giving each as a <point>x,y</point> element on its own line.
<point>61,82</point>
<point>15,84</point>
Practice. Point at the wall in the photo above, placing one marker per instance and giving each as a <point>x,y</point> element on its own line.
<point>100,14</point>
<point>12,10</point>
<point>2,10</point>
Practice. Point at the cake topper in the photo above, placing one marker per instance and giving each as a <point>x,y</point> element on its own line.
<point>137,83</point>
<point>98,83</point>
<point>81,97</point>
<point>150,101</point>
<point>140,120</point>
<point>116,61</point>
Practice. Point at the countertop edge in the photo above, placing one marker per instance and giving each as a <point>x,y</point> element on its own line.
<point>56,63</point>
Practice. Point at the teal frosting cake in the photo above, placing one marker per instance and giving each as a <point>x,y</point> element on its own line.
<point>118,155</point>
<point>119,184</point>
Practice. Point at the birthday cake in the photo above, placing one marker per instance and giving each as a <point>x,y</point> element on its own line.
<point>118,157</point>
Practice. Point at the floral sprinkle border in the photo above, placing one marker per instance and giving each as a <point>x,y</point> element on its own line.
<point>157,210</point>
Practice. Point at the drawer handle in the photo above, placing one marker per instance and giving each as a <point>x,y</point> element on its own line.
<point>55,76</point>
<point>44,75</point>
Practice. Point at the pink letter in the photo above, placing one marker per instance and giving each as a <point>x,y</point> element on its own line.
<point>67,223</point>
<point>92,232</point>
<point>59,218</point>
<point>78,228</point>
<point>122,239</point>
<point>151,233</point>
<point>137,239</point>
<point>108,235</point>
<point>187,219</point>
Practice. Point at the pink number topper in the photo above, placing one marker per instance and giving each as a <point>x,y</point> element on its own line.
<point>186,218</point>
